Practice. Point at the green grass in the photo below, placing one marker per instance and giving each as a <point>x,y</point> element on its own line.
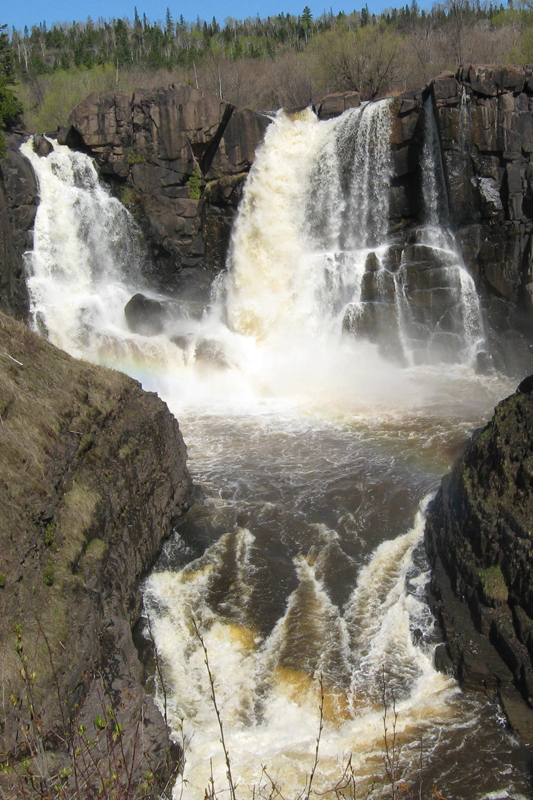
<point>494,586</point>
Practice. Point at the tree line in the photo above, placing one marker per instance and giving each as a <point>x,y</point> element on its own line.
<point>263,63</point>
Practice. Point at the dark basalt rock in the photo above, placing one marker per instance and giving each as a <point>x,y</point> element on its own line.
<point>526,386</point>
<point>42,146</point>
<point>18,205</point>
<point>479,537</point>
<point>145,315</point>
<point>335,104</point>
<point>160,151</point>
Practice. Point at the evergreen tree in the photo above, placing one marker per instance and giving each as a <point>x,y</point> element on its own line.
<point>10,107</point>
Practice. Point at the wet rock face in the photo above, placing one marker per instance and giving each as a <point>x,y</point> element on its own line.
<point>18,205</point>
<point>486,127</point>
<point>177,158</point>
<point>92,476</point>
<point>485,124</point>
<point>479,537</point>
<point>484,120</point>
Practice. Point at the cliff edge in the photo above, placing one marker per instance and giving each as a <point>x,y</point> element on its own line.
<point>479,537</point>
<point>92,475</point>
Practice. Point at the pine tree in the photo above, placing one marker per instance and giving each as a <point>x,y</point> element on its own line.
<point>10,107</point>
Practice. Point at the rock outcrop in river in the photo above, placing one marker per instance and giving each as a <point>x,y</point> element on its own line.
<point>92,476</point>
<point>479,537</point>
<point>177,157</point>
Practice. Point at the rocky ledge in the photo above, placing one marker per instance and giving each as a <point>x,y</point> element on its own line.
<point>92,475</point>
<point>479,537</point>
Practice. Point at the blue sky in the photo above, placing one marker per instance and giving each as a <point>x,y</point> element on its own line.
<point>29,12</point>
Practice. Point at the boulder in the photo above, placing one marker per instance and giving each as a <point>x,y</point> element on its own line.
<point>42,146</point>
<point>145,315</point>
<point>335,104</point>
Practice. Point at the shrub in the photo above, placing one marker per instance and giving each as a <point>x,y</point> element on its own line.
<point>194,184</point>
<point>48,574</point>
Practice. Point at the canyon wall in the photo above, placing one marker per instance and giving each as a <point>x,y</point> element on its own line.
<point>92,477</point>
<point>479,539</point>
<point>18,204</point>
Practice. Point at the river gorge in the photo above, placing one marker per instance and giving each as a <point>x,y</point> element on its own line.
<point>322,394</point>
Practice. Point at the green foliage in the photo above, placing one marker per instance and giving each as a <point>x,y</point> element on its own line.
<point>136,158</point>
<point>129,199</point>
<point>494,586</point>
<point>100,723</point>
<point>363,60</point>
<point>51,98</point>
<point>10,106</point>
<point>3,579</point>
<point>194,185</point>
<point>48,574</point>
<point>49,534</point>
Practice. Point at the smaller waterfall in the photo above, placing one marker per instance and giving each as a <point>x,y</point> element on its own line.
<point>433,183</point>
<point>85,252</point>
<point>365,158</point>
<point>418,301</point>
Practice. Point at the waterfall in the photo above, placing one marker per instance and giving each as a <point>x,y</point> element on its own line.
<point>310,253</point>
<point>85,252</point>
<point>320,256</point>
<point>314,448</point>
<point>433,184</point>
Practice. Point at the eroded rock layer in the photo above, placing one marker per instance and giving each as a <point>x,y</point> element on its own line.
<point>18,205</point>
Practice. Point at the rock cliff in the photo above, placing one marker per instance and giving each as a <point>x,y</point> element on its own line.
<point>484,126</point>
<point>177,158</point>
<point>18,204</point>
<point>479,537</point>
<point>92,475</point>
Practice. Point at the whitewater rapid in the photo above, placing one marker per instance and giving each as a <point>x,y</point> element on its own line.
<point>301,563</point>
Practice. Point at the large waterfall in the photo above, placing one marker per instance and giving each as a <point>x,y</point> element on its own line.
<point>322,395</point>
<point>319,257</point>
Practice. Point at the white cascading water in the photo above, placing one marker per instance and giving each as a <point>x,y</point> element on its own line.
<point>84,250</point>
<point>437,234</point>
<point>301,566</point>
